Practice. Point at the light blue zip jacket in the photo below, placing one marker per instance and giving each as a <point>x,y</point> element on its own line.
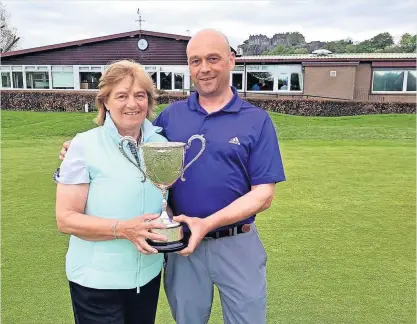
<point>115,192</point>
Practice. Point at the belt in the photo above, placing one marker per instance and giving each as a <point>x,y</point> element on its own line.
<point>235,230</point>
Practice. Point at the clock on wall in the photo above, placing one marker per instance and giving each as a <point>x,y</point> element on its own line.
<point>142,44</point>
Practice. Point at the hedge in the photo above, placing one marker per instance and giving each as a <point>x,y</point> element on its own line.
<point>76,100</point>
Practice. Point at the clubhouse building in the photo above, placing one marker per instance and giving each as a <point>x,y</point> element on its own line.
<point>78,65</point>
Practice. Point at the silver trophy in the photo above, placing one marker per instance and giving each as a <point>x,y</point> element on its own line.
<point>163,165</point>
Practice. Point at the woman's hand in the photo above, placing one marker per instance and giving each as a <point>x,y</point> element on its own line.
<point>138,229</point>
<point>64,150</point>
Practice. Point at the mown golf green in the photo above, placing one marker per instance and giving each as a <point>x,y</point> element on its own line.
<point>340,235</point>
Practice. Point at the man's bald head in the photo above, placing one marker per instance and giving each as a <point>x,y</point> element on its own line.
<point>209,36</point>
<point>210,61</point>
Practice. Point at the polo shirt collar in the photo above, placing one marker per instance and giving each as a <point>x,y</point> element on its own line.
<point>148,129</point>
<point>233,106</point>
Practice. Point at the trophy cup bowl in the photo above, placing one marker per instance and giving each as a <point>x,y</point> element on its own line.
<point>163,165</point>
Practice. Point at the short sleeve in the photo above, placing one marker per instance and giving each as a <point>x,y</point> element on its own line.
<point>265,163</point>
<point>73,169</point>
<point>159,122</point>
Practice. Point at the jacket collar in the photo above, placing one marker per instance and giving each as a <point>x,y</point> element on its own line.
<point>147,128</point>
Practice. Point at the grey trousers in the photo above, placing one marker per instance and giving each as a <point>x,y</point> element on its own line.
<point>236,265</point>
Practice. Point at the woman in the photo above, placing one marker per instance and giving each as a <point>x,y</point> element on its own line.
<point>114,275</point>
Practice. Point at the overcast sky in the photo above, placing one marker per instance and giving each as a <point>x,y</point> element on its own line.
<point>50,22</point>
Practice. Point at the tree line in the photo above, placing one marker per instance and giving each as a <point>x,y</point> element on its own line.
<point>381,43</point>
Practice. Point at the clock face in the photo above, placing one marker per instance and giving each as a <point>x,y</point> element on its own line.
<point>142,44</point>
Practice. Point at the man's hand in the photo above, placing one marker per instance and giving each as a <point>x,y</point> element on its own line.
<point>64,150</point>
<point>198,228</point>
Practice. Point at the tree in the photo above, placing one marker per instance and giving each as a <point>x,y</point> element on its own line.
<point>351,48</point>
<point>338,46</point>
<point>378,42</point>
<point>8,35</point>
<point>285,50</point>
<point>408,43</point>
<point>382,40</point>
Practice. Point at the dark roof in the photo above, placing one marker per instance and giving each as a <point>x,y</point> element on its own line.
<point>95,40</point>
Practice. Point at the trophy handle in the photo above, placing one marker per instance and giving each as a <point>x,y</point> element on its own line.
<point>203,146</point>
<point>133,146</point>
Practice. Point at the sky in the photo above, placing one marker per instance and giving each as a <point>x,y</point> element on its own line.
<point>40,23</point>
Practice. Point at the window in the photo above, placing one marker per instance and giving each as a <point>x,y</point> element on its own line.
<point>260,81</point>
<point>283,82</point>
<point>17,80</point>
<point>62,77</point>
<point>394,81</point>
<point>295,84</point>
<point>179,81</point>
<point>5,80</point>
<point>237,80</point>
<point>166,80</point>
<point>37,80</point>
<point>89,80</point>
<point>62,80</point>
<point>411,81</point>
<point>153,77</point>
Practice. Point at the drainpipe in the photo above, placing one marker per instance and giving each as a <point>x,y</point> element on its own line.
<point>246,81</point>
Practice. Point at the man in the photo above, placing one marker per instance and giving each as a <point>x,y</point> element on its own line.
<point>232,181</point>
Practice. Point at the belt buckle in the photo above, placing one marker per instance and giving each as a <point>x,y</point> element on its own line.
<point>246,228</point>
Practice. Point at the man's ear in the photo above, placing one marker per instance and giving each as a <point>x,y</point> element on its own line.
<point>232,61</point>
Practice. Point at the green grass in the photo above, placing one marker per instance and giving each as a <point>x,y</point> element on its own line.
<point>340,234</point>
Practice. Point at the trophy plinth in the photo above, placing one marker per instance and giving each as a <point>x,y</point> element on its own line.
<point>163,165</point>
<point>172,231</point>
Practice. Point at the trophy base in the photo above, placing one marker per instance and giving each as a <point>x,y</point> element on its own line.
<point>166,247</point>
<point>176,240</point>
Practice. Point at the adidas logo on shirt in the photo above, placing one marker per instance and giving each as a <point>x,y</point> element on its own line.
<point>234,140</point>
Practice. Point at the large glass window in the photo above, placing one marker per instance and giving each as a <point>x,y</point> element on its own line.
<point>237,80</point>
<point>166,80</point>
<point>5,80</point>
<point>62,80</point>
<point>388,80</point>
<point>17,80</point>
<point>37,80</point>
<point>179,81</point>
<point>283,82</point>
<point>295,84</point>
<point>62,77</point>
<point>89,80</point>
<point>394,80</point>
<point>153,76</point>
<point>260,81</point>
<point>411,81</point>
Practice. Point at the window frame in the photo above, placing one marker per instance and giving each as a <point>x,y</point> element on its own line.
<point>405,79</point>
<point>9,73</point>
<point>242,88</point>
<point>183,81</point>
<point>277,71</point>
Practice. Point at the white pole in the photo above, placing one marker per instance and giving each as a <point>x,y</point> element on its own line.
<point>86,108</point>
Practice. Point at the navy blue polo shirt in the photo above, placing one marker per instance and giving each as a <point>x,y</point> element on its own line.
<point>241,150</point>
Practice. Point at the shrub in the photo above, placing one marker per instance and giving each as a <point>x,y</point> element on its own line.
<point>76,100</point>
